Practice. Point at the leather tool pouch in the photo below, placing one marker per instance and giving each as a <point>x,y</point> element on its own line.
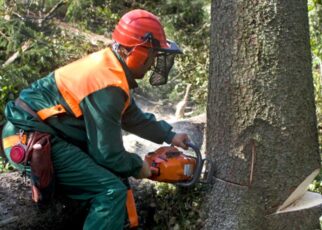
<point>38,155</point>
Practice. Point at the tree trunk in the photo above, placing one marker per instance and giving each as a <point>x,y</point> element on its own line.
<point>261,128</point>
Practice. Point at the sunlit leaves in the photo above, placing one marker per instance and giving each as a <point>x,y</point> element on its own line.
<point>315,19</point>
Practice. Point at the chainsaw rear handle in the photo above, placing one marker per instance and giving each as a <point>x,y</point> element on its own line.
<point>197,172</point>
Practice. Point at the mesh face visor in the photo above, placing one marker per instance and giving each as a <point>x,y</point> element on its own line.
<point>163,64</point>
<point>161,69</point>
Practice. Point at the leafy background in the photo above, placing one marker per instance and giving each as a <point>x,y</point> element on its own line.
<point>315,18</point>
<point>186,21</point>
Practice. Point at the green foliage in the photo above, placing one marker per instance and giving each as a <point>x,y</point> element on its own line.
<point>94,15</point>
<point>49,49</point>
<point>5,166</point>
<point>178,208</point>
<point>186,21</point>
<point>315,17</point>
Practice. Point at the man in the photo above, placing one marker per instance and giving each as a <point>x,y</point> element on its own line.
<point>85,105</point>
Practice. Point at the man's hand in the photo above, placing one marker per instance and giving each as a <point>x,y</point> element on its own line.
<point>180,140</point>
<point>145,171</point>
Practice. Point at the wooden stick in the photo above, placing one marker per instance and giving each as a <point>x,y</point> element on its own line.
<point>40,19</point>
<point>50,12</point>
<point>26,45</point>
<point>5,36</point>
<point>19,16</point>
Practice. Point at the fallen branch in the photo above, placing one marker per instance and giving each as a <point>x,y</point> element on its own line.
<point>19,16</point>
<point>5,36</point>
<point>40,20</point>
<point>51,11</point>
<point>89,36</point>
<point>26,45</point>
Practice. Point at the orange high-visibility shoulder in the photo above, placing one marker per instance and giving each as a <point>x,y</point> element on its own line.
<point>48,112</point>
<point>79,79</point>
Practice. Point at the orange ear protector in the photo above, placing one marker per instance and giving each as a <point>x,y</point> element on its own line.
<point>138,57</point>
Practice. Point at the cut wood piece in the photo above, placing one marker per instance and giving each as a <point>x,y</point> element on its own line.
<point>299,192</point>
<point>26,45</point>
<point>181,106</point>
<point>308,200</point>
<point>304,215</point>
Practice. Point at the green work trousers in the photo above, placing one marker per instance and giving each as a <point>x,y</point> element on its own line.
<point>79,177</point>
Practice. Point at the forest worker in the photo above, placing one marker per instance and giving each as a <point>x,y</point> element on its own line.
<point>84,106</point>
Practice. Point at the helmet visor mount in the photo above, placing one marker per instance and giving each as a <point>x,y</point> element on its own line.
<point>163,64</point>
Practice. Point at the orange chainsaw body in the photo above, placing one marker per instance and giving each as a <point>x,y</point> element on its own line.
<point>168,164</point>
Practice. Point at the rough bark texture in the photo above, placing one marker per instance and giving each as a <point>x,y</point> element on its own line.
<point>261,128</point>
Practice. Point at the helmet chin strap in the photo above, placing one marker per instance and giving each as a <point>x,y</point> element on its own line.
<point>121,51</point>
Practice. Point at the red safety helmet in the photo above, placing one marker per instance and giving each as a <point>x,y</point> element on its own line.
<point>139,30</point>
<point>136,24</point>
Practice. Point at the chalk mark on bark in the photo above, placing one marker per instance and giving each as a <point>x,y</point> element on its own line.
<point>251,170</point>
<point>252,163</point>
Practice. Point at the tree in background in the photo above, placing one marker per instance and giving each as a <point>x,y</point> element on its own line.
<point>262,132</point>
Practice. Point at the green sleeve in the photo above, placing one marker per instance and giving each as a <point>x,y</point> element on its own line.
<point>102,113</point>
<point>145,125</point>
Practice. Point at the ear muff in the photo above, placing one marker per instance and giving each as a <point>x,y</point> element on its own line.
<point>138,57</point>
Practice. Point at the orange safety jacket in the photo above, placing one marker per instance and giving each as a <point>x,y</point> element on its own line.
<point>83,77</point>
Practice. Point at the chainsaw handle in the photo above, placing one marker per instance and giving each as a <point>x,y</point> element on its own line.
<point>199,163</point>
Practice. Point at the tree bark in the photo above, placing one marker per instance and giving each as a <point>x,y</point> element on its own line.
<point>261,127</point>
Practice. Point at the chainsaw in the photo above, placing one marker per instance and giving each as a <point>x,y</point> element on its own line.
<point>170,165</point>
